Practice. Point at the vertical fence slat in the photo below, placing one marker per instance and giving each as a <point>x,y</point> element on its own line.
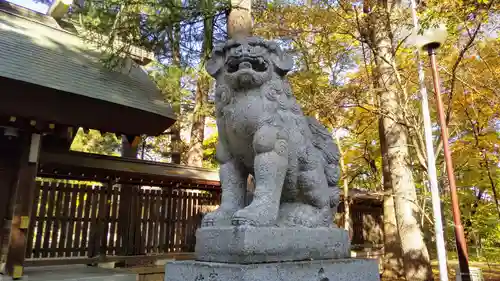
<point>141,228</point>
<point>185,211</point>
<point>173,219</point>
<point>158,210</point>
<point>104,217</point>
<point>162,221</point>
<point>180,220</point>
<point>66,191</point>
<point>114,221</point>
<point>134,243</point>
<point>79,221</point>
<point>154,221</point>
<point>86,219</point>
<point>48,221</point>
<point>185,224</point>
<point>189,231</point>
<point>129,195</point>
<point>198,210</point>
<point>72,215</point>
<point>168,220</point>
<point>195,220</point>
<point>149,220</point>
<point>93,228</point>
<point>56,224</point>
<point>158,220</point>
<point>41,220</point>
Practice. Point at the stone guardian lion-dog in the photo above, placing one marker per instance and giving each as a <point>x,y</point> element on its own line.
<point>263,132</point>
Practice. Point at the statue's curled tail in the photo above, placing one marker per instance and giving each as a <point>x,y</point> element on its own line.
<point>323,141</point>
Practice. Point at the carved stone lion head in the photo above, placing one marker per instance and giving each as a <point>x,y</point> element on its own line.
<point>248,62</point>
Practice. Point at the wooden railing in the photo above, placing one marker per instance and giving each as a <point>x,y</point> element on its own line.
<point>105,213</point>
<point>82,219</point>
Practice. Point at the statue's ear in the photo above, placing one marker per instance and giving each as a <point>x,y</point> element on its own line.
<point>216,61</point>
<point>282,61</point>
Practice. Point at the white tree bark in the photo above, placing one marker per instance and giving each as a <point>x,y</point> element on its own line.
<point>415,255</point>
<point>240,22</point>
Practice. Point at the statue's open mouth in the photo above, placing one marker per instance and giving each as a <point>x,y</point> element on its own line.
<point>253,63</point>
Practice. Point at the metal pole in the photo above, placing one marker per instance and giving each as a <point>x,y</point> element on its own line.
<point>459,230</point>
<point>431,161</point>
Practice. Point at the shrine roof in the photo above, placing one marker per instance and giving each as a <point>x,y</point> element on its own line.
<point>34,49</point>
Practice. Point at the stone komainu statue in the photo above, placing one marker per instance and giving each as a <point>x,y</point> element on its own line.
<point>263,132</point>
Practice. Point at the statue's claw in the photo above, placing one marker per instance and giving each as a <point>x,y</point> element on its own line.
<point>255,215</point>
<point>207,223</point>
<point>219,217</point>
<point>243,221</point>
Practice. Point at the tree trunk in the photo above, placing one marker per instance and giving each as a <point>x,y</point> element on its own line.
<point>492,183</point>
<point>195,153</point>
<point>347,200</point>
<point>240,22</point>
<point>174,38</point>
<point>415,256</point>
<point>129,214</point>
<point>393,256</point>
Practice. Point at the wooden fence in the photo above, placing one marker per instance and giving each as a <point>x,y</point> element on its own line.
<point>83,219</point>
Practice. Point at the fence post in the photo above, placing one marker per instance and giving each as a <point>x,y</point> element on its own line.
<point>124,218</point>
<point>106,217</point>
<point>25,193</point>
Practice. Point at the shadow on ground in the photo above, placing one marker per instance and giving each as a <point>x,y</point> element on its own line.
<point>490,273</point>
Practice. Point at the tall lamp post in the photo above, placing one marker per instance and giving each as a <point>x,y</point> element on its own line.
<point>430,41</point>
<point>431,161</point>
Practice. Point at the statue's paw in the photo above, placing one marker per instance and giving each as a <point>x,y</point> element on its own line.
<point>254,217</point>
<point>295,214</point>
<point>243,217</point>
<point>207,222</point>
<point>218,217</point>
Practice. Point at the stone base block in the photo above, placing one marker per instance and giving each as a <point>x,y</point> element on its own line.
<point>318,270</point>
<point>246,244</point>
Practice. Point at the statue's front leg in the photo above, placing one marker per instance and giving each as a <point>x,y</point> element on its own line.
<point>233,183</point>
<point>270,165</point>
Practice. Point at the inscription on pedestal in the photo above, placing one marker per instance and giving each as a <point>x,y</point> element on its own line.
<point>211,277</point>
<point>318,270</point>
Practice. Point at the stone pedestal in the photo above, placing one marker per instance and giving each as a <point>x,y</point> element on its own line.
<point>272,254</point>
<point>318,270</point>
<point>270,244</point>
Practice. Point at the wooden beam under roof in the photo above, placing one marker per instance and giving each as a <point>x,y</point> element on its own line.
<point>80,165</point>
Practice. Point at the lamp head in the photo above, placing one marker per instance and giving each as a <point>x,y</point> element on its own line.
<point>433,37</point>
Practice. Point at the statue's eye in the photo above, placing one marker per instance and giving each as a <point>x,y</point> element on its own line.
<point>231,46</point>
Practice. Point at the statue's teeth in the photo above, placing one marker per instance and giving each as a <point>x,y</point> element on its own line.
<point>245,65</point>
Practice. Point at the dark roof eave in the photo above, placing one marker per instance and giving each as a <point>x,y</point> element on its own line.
<point>58,107</point>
